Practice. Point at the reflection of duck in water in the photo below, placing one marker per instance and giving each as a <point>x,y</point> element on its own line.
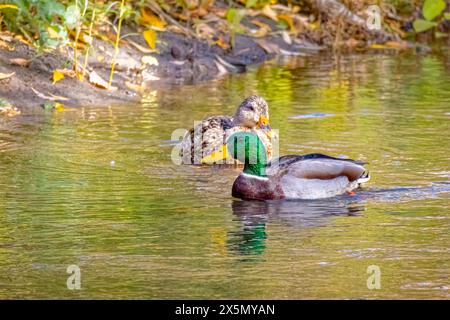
<point>311,176</point>
<point>250,239</point>
<point>251,115</point>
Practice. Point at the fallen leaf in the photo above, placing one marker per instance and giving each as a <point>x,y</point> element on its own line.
<point>269,47</point>
<point>97,81</point>
<point>133,86</point>
<point>222,43</point>
<point>220,12</point>
<point>149,18</point>
<point>286,37</point>
<point>68,72</point>
<point>51,97</point>
<point>9,111</point>
<point>262,31</point>
<point>204,31</point>
<point>19,61</point>
<point>288,20</point>
<point>57,76</point>
<point>391,45</point>
<point>150,38</point>
<point>6,36</point>
<point>82,37</point>
<point>5,45</point>
<point>398,44</point>
<point>261,24</point>
<point>378,46</point>
<point>53,105</point>
<point>150,60</point>
<point>269,12</point>
<point>9,6</point>
<point>52,33</point>
<point>6,75</point>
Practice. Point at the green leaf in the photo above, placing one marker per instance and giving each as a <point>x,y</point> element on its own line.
<point>48,105</point>
<point>433,8</point>
<point>50,9</point>
<point>447,16</point>
<point>72,15</point>
<point>421,25</point>
<point>250,3</point>
<point>231,13</point>
<point>235,16</point>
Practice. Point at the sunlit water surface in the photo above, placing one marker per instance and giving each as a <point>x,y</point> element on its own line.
<point>96,188</point>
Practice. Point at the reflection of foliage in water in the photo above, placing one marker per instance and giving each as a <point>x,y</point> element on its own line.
<point>144,227</point>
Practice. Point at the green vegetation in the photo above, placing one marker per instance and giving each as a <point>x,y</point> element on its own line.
<point>434,16</point>
<point>50,23</point>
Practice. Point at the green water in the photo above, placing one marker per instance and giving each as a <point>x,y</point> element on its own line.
<point>96,187</point>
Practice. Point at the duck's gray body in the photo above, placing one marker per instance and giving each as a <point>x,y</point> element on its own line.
<point>311,176</point>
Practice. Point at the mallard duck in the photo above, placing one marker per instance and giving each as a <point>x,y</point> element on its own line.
<point>310,176</point>
<point>251,115</point>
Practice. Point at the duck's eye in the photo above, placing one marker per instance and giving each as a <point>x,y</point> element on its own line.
<point>251,108</point>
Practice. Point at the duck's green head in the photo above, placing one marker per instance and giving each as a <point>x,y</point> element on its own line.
<point>245,147</point>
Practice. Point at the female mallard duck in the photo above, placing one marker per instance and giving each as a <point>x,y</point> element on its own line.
<point>206,137</point>
<point>311,176</point>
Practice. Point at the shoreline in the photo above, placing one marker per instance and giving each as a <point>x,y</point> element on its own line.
<point>179,61</point>
<point>27,76</point>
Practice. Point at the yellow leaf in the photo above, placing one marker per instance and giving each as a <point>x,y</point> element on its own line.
<point>9,6</point>
<point>221,43</point>
<point>148,18</point>
<point>269,12</point>
<point>288,19</point>
<point>263,29</point>
<point>150,38</point>
<point>59,106</point>
<point>57,76</point>
<point>398,44</point>
<point>52,33</point>
<point>378,46</point>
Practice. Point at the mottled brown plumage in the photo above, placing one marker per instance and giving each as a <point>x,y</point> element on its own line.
<point>213,131</point>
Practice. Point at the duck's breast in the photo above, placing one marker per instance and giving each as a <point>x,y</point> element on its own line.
<point>252,187</point>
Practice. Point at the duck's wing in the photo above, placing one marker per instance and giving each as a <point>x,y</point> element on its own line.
<point>318,166</point>
<point>204,138</point>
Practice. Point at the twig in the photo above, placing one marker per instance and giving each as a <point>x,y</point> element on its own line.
<point>77,36</point>
<point>90,37</point>
<point>155,7</point>
<point>116,45</point>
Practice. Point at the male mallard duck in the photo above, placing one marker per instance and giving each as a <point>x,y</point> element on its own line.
<point>251,115</point>
<point>311,176</point>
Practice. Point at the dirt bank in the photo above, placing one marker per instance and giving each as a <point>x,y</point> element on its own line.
<point>181,55</point>
<point>178,59</point>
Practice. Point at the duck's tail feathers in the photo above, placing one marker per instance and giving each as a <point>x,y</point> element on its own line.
<point>364,178</point>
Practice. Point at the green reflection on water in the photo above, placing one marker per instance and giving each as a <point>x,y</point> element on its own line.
<point>96,187</point>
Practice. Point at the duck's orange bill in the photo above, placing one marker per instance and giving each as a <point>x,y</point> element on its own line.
<point>216,156</point>
<point>264,125</point>
<point>263,121</point>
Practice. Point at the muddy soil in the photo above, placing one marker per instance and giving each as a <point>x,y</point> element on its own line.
<point>180,60</point>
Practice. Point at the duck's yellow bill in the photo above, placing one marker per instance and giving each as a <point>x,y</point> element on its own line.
<point>216,156</point>
<point>264,125</point>
<point>263,121</point>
